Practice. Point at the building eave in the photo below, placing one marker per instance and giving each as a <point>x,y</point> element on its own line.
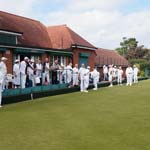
<point>36,48</point>
<point>83,47</point>
<point>11,32</point>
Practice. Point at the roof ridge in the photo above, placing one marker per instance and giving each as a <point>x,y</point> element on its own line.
<point>63,25</point>
<point>68,30</point>
<point>19,16</point>
<point>105,49</point>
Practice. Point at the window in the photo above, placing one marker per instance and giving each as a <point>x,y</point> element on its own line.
<point>8,39</point>
<point>61,59</point>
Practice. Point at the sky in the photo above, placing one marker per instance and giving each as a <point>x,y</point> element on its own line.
<point>102,22</point>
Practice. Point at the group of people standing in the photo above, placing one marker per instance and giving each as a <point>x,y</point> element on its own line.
<point>30,72</point>
<point>113,73</point>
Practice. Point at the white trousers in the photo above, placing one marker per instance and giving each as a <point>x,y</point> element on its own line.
<point>46,76</point>
<point>3,82</point>
<point>86,80</point>
<point>105,76</point>
<point>23,80</point>
<point>82,85</point>
<point>129,79</point>
<point>119,79</point>
<point>135,78</point>
<point>75,79</point>
<point>95,82</point>
<point>69,78</point>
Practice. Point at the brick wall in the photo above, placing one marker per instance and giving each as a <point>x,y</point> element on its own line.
<point>9,55</point>
<point>76,53</point>
<point>44,55</point>
<point>0,54</point>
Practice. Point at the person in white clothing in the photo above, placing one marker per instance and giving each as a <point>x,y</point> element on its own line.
<point>16,73</point>
<point>86,78</point>
<point>60,73</point>
<point>3,70</point>
<point>105,72</point>
<point>110,74</point>
<point>64,73</point>
<point>30,72</point>
<point>23,72</point>
<point>135,74</point>
<point>38,79</point>
<point>115,73</point>
<point>69,73</point>
<point>75,75</point>
<point>95,76</point>
<point>46,69</point>
<point>119,75</point>
<point>54,71</point>
<point>82,72</point>
<point>129,75</point>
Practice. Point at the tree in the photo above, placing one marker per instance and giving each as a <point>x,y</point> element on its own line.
<point>135,54</point>
<point>147,55</point>
<point>130,49</point>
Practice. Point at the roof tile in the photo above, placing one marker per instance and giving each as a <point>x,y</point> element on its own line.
<point>63,37</point>
<point>34,32</point>
<point>107,57</point>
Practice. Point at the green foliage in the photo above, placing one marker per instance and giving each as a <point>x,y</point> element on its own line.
<point>137,61</point>
<point>145,65</point>
<point>141,73</point>
<point>142,64</point>
<point>120,51</point>
<point>130,49</point>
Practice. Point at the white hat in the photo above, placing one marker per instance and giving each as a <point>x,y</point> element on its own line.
<point>26,58</point>
<point>17,60</point>
<point>3,58</point>
<point>32,60</point>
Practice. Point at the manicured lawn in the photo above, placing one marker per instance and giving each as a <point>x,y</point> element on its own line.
<point>115,118</point>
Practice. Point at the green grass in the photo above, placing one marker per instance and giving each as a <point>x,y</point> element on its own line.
<point>115,118</point>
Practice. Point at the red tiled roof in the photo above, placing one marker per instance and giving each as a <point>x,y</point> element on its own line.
<point>34,32</point>
<point>62,37</point>
<point>107,57</point>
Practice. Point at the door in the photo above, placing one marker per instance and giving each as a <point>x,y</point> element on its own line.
<point>84,59</point>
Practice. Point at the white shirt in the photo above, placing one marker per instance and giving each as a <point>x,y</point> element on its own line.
<point>95,74</point>
<point>82,72</point>
<point>30,70</point>
<point>120,72</point>
<point>129,71</point>
<point>1,77</point>
<point>23,67</point>
<point>47,67</point>
<point>115,71</point>
<point>110,71</point>
<point>135,71</point>
<point>105,69</point>
<point>69,70</point>
<point>16,68</point>
<point>87,73</point>
<point>3,68</point>
<point>39,69</point>
<point>75,70</point>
